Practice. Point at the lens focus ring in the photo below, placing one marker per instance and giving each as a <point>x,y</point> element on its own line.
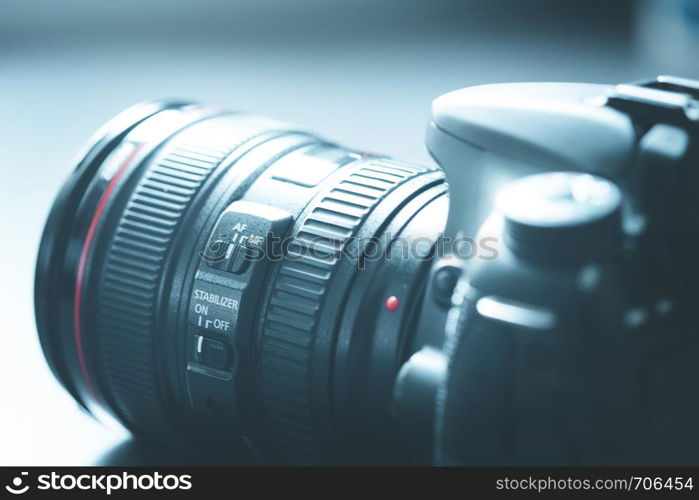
<point>289,334</point>
<point>134,265</point>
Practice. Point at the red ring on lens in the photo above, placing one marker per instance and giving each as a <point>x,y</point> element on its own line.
<point>80,276</point>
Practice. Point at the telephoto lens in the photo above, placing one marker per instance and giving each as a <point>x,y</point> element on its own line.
<point>223,280</point>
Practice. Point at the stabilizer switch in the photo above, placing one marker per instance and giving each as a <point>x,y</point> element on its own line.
<point>211,352</point>
<point>241,249</point>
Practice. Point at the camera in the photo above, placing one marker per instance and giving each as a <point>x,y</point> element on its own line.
<point>223,281</point>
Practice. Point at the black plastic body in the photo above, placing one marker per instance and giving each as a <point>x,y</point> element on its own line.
<point>557,355</point>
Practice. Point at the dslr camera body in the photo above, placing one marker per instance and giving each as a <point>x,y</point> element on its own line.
<point>193,281</point>
<point>577,344</point>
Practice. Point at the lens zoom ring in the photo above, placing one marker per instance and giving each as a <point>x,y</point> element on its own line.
<point>289,330</point>
<point>134,265</point>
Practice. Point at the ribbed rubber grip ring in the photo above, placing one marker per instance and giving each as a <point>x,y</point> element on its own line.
<point>296,299</point>
<point>135,259</point>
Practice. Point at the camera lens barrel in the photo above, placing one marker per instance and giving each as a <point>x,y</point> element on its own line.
<point>207,276</point>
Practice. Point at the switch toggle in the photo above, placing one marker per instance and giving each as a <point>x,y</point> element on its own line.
<point>235,258</point>
<point>211,352</point>
<point>239,260</point>
<point>217,253</point>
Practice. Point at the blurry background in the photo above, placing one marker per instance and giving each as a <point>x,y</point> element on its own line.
<point>361,72</point>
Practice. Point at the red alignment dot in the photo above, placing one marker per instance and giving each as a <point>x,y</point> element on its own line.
<point>392,303</point>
